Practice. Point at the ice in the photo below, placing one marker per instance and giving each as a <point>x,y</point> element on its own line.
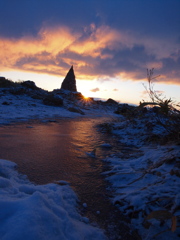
<point>39,212</point>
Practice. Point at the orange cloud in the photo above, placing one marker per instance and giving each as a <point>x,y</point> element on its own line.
<point>44,47</point>
<point>95,52</point>
<point>95,90</point>
<point>48,52</point>
<point>99,39</point>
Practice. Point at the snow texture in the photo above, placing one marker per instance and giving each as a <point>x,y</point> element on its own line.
<point>39,212</point>
<point>146,180</point>
<point>20,108</point>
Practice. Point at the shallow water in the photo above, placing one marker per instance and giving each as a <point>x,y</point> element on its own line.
<point>51,151</point>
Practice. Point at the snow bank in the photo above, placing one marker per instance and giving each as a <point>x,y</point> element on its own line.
<point>15,108</point>
<point>31,211</point>
<point>146,181</point>
<point>23,108</point>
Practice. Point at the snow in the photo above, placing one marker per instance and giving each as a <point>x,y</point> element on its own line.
<point>31,211</point>
<point>20,108</point>
<point>106,145</point>
<point>145,178</point>
<point>85,205</point>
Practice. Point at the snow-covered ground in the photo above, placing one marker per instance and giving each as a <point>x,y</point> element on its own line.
<point>22,108</point>
<point>15,108</point>
<point>145,179</point>
<point>36,212</point>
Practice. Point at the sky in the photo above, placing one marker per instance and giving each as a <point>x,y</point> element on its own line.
<point>110,43</point>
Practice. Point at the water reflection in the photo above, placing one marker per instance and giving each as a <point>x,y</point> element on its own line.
<point>48,152</point>
<point>58,151</point>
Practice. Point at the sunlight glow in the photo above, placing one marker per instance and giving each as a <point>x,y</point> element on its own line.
<point>86,98</point>
<point>116,88</point>
<point>46,58</point>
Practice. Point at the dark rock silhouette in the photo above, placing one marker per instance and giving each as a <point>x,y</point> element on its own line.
<point>53,100</point>
<point>69,83</point>
<point>111,101</point>
<point>124,108</point>
<point>29,84</point>
<point>76,110</point>
<point>5,83</point>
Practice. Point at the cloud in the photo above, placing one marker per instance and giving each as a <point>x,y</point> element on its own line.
<point>97,52</point>
<point>124,15</point>
<point>95,90</point>
<point>37,53</point>
<point>54,48</point>
<point>103,79</point>
<point>145,95</point>
<point>96,40</point>
<point>115,90</point>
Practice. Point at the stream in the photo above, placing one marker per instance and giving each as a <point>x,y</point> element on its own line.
<point>49,151</point>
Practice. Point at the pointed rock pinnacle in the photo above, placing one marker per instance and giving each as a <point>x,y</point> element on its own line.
<point>69,83</point>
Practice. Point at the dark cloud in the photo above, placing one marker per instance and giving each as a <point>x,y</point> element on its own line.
<point>131,60</point>
<point>95,90</point>
<point>160,18</point>
<point>27,16</point>
<point>146,17</point>
<point>171,65</point>
<point>107,38</point>
<point>169,70</point>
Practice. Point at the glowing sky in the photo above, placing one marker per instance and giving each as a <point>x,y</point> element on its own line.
<point>110,43</point>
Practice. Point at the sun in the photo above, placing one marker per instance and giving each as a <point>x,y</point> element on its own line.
<point>85,97</point>
<point>86,101</point>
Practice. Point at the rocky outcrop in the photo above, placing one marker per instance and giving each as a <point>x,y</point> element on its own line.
<point>53,100</point>
<point>111,101</point>
<point>5,83</point>
<point>29,84</point>
<point>76,110</point>
<point>124,108</point>
<point>69,83</point>
<point>71,96</point>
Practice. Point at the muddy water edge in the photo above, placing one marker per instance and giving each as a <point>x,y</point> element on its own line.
<point>61,149</point>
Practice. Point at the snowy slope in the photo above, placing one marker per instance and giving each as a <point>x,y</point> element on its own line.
<point>23,107</point>
<point>30,211</point>
<point>146,178</point>
<point>15,108</point>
